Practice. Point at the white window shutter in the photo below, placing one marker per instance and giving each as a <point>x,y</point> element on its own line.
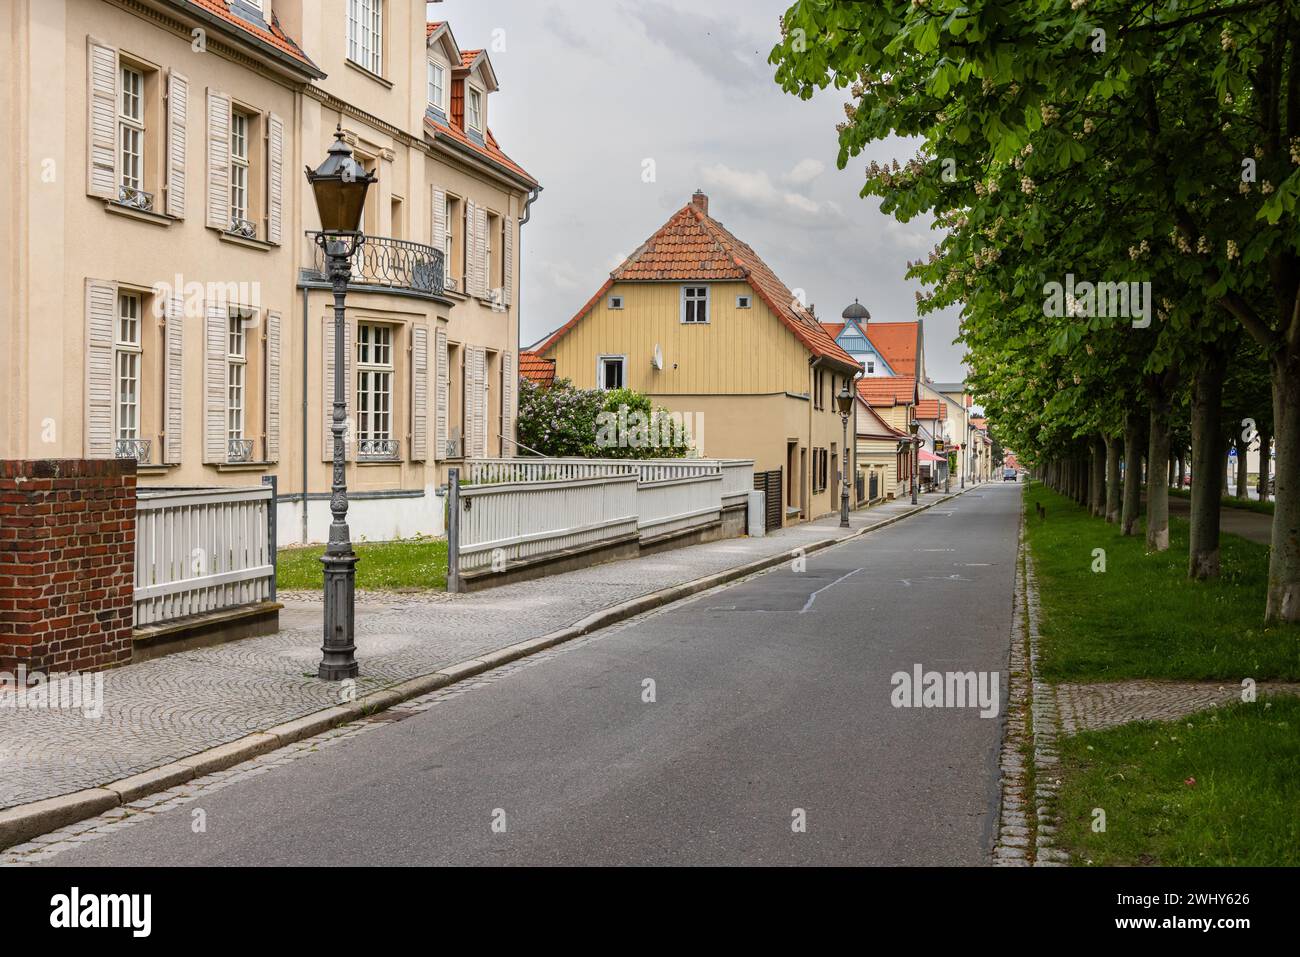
<point>327,386</point>
<point>476,419</point>
<point>216,329</point>
<point>273,352</point>
<point>218,160</point>
<point>480,252</point>
<point>470,257</point>
<point>508,447</point>
<point>174,383</point>
<point>101,124</point>
<point>274,179</point>
<point>419,393</point>
<point>485,385</point>
<point>441,393</point>
<point>439,219</point>
<point>508,264</point>
<point>178,94</point>
<point>101,313</point>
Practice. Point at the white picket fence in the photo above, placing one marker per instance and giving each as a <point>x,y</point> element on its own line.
<point>202,550</point>
<point>514,510</point>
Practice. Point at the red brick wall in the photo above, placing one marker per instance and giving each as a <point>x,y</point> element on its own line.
<point>67,564</point>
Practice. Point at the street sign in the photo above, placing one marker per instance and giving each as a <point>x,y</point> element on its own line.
<point>938,446</point>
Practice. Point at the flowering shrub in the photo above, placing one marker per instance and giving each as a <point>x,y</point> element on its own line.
<point>563,420</point>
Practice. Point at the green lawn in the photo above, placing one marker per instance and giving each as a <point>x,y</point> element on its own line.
<point>1216,789</point>
<point>416,564</point>
<point>1142,617</point>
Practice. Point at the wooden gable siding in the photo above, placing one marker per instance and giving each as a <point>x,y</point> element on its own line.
<point>739,351</point>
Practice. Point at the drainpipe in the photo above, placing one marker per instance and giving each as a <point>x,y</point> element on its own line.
<point>535,192</point>
<point>306,293</point>
<point>813,363</point>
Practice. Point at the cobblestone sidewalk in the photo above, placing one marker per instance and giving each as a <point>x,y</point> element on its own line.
<point>171,708</point>
<point>1091,707</point>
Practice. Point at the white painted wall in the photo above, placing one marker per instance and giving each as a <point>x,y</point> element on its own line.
<point>370,520</point>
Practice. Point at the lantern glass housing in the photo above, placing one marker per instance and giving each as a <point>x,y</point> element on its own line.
<point>340,185</point>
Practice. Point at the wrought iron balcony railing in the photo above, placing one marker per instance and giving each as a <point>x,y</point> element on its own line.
<point>135,198</point>
<point>378,450</point>
<point>138,449</point>
<point>243,228</point>
<point>239,450</point>
<point>396,263</point>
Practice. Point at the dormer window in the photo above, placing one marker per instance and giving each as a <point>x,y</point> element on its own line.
<point>474,109</point>
<point>437,86</point>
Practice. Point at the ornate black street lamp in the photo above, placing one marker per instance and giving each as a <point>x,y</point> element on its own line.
<point>339,185</point>
<point>844,403</point>
<point>916,458</point>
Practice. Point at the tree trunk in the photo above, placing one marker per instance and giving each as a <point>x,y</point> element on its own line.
<point>1081,473</point>
<point>1157,473</point>
<point>1132,473</point>
<point>1182,470</point>
<point>1284,555</point>
<point>1097,480</point>
<point>1207,447</point>
<point>1243,470</point>
<point>1265,462</point>
<point>1170,483</point>
<point>1114,452</point>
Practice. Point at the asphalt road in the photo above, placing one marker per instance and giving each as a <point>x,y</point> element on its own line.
<point>772,695</point>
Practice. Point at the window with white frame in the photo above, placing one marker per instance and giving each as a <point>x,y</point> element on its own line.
<point>236,375</point>
<point>695,304</point>
<point>474,112</point>
<point>610,372</point>
<point>127,347</point>
<point>239,167</point>
<point>870,364</point>
<point>616,302</point>
<point>742,302</point>
<point>374,384</point>
<point>449,224</point>
<point>437,85</point>
<point>237,369</point>
<point>366,34</point>
<point>130,122</point>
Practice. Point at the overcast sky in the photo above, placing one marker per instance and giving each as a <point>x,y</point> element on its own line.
<point>592,89</point>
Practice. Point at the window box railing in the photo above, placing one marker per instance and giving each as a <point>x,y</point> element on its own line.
<point>135,198</point>
<point>396,263</point>
<point>239,451</point>
<point>243,228</point>
<point>138,449</point>
<point>378,450</point>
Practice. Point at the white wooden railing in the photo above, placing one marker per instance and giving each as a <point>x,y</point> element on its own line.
<point>501,524</point>
<point>678,504</point>
<point>513,510</point>
<point>202,550</point>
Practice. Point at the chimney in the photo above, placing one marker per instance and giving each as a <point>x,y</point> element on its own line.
<point>700,202</point>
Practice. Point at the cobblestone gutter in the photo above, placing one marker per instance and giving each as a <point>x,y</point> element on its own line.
<point>1029,757</point>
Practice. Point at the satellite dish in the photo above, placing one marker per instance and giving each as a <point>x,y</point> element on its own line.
<point>657,360</point>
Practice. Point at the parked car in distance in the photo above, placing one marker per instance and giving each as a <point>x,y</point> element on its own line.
<point>1010,475</point>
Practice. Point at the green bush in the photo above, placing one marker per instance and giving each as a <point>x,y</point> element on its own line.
<point>563,420</point>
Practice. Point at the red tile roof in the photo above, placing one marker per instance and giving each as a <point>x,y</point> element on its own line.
<point>431,26</point>
<point>455,130</point>
<point>897,343</point>
<point>274,35</point>
<point>535,368</point>
<point>467,58</point>
<point>886,391</point>
<point>694,246</point>
<point>979,422</point>
<point>833,329</point>
<point>931,409</point>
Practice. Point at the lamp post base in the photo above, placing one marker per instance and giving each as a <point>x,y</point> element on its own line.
<point>339,651</point>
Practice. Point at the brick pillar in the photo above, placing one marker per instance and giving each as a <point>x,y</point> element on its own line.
<point>67,564</point>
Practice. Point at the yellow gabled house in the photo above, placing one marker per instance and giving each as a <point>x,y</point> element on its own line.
<point>695,319</point>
